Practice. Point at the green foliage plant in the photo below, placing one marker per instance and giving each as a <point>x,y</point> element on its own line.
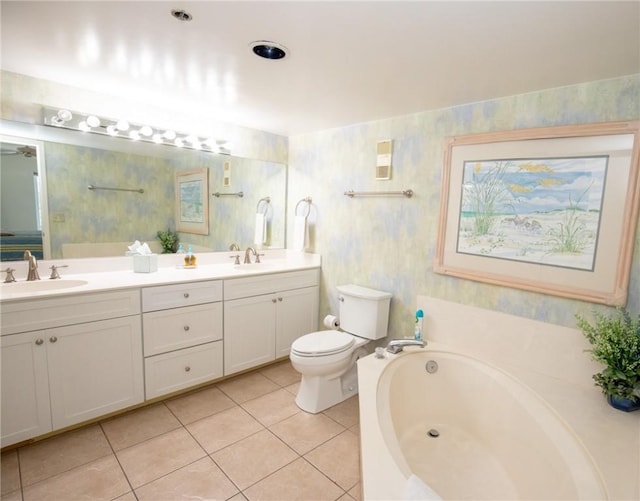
<point>168,240</point>
<point>615,343</point>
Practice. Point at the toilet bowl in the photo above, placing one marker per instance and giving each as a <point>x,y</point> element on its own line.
<point>327,359</point>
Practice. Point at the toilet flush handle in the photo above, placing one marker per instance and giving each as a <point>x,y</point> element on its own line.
<point>341,298</point>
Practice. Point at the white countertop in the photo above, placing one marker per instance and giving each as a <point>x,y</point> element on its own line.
<point>102,274</point>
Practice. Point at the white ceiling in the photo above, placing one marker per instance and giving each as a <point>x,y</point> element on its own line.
<point>349,61</point>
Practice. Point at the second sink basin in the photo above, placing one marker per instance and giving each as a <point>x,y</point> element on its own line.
<point>40,286</point>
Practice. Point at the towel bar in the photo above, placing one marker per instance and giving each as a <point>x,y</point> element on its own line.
<point>93,187</point>
<point>404,193</point>
<point>218,194</point>
<point>264,201</point>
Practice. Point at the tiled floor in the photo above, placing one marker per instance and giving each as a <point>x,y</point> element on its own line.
<point>243,438</point>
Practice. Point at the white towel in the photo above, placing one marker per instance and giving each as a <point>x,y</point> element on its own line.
<point>260,235</point>
<point>300,233</point>
<point>417,490</point>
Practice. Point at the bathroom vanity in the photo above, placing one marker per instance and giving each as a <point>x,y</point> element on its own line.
<point>115,339</point>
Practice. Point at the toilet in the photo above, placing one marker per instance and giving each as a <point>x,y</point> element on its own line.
<point>327,359</point>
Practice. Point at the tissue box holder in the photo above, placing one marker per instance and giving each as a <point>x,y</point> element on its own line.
<point>145,263</point>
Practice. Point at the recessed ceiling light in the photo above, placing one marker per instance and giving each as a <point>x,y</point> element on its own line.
<point>181,15</point>
<point>269,50</point>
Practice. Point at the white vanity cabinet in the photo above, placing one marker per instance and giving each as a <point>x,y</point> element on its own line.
<point>182,332</point>
<point>264,314</point>
<point>68,359</point>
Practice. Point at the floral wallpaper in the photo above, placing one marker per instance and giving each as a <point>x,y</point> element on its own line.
<point>389,243</point>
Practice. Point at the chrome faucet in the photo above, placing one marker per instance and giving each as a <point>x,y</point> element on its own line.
<point>33,267</point>
<point>247,255</point>
<point>397,345</point>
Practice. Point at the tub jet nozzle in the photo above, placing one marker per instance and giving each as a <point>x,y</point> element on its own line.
<point>433,433</point>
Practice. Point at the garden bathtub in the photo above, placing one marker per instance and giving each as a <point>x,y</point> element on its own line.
<point>496,438</point>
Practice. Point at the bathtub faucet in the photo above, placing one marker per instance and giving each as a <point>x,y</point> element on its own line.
<point>397,345</point>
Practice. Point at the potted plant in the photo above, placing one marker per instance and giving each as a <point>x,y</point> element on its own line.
<point>168,240</point>
<point>616,343</point>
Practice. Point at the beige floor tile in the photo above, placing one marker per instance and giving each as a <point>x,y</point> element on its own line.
<point>296,481</point>
<point>100,479</point>
<point>247,386</point>
<point>199,480</point>
<point>293,388</point>
<point>201,404</point>
<point>339,459</point>
<point>356,492</point>
<point>346,413</point>
<point>64,452</point>
<point>158,456</point>
<point>304,432</point>
<point>272,407</point>
<point>139,425</point>
<point>11,496</point>
<point>345,497</point>
<point>252,459</point>
<point>224,428</point>
<point>238,497</point>
<point>9,473</point>
<point>129,496</point>
<point>282,374</point>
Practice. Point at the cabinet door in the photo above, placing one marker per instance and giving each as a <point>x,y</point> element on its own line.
<point>297,316</point>
<point>25,387</point>
<point>94,368</point>
<point>249,332</point>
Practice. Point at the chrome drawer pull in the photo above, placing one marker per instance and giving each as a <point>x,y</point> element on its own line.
<point>53,339</point>
<point>273,300</point>
<point>186,328</point>
<point>39,341</point>
<point>187,368</point>
<point>279,299</point>
<point>186,294</point>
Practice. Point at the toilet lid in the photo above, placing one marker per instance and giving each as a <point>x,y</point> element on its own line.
<point>322,343</point>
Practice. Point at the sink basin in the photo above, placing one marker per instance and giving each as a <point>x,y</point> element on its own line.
<point>40,286</point>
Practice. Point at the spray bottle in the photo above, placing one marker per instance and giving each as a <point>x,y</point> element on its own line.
<point>417,331</point>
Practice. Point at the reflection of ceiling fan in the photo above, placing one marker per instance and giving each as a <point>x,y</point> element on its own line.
<point>25,151</point>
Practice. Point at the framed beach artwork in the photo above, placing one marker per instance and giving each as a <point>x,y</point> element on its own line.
<point>192,201</point>
<point>552,210</point>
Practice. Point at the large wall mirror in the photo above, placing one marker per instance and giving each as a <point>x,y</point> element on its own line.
<point>48,208</point>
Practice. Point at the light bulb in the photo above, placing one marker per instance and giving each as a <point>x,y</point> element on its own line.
<point>196,145</point>
<point>93,121</point>
<point>170,135</point>
<point>122,125</point>
<point>157,138</point>
<point>179,142</point>
<point>191,139</point>
<point>84,126</point>
<point>65,115</point>
<point>134,135</point>
<point>146,131</point>
<point>111,130</point>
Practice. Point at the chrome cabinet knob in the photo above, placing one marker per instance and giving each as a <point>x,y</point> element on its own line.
<point>187,368</point>
<point>53,339</point>
<point>186,328</point>
<point>39,341</point>
<point>186,294</point>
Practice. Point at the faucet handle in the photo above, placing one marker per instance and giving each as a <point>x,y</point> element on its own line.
<point>54,270</point>
<point>9,278</point>
<point>258,257</point>
<point>236,257</point>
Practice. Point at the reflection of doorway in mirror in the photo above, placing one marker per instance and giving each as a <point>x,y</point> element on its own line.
<point>20,211</point>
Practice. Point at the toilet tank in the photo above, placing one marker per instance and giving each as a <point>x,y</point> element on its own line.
<point>364,312</point>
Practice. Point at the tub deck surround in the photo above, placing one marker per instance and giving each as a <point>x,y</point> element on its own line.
<point>103,274</point>
<point>547,360</point>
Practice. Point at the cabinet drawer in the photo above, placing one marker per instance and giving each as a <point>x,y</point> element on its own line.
<point>264,284</point>
<point>177,328</point>
<point>35,314</point>
<point>187,294</point>
<point>183,368</point>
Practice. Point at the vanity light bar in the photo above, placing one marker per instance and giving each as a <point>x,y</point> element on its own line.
<point>124,129</point>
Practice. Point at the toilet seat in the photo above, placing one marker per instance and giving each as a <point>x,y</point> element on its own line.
<point>322,343</point>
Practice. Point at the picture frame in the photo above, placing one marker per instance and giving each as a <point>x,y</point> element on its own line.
<point>192,201</point>
<point>552,210</point>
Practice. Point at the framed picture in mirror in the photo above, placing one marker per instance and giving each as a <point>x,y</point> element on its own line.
<point>192,201</point>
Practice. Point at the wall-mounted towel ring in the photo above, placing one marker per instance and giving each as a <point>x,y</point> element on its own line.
<point>306,200</point>
<point>263,205</point>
